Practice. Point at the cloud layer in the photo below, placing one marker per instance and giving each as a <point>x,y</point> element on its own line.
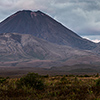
<point>93,38</point>
<point>81,16</point>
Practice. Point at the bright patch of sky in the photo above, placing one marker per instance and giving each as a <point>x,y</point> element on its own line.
<point>93,38</point>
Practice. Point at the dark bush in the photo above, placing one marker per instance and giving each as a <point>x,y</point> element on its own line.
<point>71,75</point>
<point>86,75</point>
<point>31,80</point>
<point>46,76</point>
<point>64,80</point>
<point>2,79</point>
<point>98,82</point>
<point>97,75</point>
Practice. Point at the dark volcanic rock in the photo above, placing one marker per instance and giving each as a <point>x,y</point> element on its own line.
<point>43,26</point>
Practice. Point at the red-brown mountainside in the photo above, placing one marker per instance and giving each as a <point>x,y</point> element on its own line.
<point>43,26</point>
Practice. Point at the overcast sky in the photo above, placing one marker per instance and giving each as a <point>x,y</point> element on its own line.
<point>81,16</point>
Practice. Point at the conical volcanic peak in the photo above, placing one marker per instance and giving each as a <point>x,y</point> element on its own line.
<point>43,26</point>
<point>27,13</point>
<point>24,22</point>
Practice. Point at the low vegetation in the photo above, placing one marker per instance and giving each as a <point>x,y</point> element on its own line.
<point>35,87</point>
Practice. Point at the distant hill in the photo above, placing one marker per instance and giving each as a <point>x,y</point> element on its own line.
<point>15,46</point>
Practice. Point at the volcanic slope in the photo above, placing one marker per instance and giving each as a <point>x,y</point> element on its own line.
<point>15,46</point>
<point>43,26</point>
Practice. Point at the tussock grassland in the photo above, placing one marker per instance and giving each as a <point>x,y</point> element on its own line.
<point>35,87</point>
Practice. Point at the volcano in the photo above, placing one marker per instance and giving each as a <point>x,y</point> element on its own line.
<point>43,26</point>
<point>30,38</point>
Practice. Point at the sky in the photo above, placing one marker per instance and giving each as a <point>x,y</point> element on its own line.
<point>81,16</point>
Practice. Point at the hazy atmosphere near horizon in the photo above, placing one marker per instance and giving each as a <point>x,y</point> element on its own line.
<point>81,16</point>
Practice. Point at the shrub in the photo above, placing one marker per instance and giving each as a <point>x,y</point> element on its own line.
<point>86,75</point>
<point>97,75</point>
<point>31,80</point>
<point>2,79</point>
<point>64,80</point>
<point>46,76</point>
<point>71,75</point>
<point>98,82</point>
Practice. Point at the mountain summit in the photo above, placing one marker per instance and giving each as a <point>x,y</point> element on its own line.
<point>43,26</point>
